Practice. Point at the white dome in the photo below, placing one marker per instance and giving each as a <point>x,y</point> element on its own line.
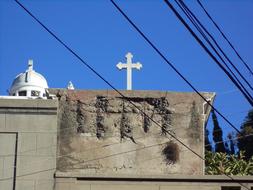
<point>29,83</point>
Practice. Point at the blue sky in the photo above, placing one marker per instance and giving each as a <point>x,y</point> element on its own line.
<point>102,37</point>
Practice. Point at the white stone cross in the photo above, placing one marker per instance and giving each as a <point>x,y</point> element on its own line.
<point>129,65</point>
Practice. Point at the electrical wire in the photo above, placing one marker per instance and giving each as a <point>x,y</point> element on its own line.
<point>101,77</point>
<point>107,82</point>
<point>172,66</point>
<point>208,51</point>
<point>224,36</point>
<point>191,16</point>
<point>86,161</point>
<point>235,138</point>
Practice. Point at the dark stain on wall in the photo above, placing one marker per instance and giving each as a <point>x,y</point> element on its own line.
<point>101,109</point>
<point>126,129</point>
<point>160,106</point>
<point>80,117</point>
<point>194,126</point>
<point>171,153</point>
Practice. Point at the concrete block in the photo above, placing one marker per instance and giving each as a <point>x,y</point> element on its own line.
<point>47,103</point>
<point>31,122</point>
<point>20,103</point>
<point>25,184</point>
<point>8,167</point>
<point>46,144</point>
<point>62,186</point>
<point>7,144</point>
<point>1,167</point>
<point>77,186</point>
<point>189,187</point>
<point>123,187</point>
<point>46,123</point>
<point>36,165</point>
<point>21,122</point>
<point>45,184</point>
<point>6,185</point>
<point>14,103</point>
<point>39,175</point>
<point>27,144</point>
<point>2,122</point>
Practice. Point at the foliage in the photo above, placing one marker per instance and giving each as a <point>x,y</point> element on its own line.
<point>221,163</point>
<point>208,146</point>
<point>217,135</point>
<point>231,149</point>
<point>245,139</point>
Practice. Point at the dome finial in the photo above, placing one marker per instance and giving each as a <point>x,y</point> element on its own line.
<point>30,65</point>
<point>70,86</point>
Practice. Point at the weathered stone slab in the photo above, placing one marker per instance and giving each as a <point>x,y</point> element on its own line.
<point>100,132</point>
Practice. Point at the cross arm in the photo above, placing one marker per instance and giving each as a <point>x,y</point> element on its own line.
<point>120,65</point>
<point>137,65</point>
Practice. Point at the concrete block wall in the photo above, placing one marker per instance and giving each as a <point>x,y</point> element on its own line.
<point>35,123</point>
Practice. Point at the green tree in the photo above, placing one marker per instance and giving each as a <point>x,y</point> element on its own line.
<point>245,139</point>
<point>218,163</point>
<point>217,134</point>
<point>208,146</point>
<point>231,143</point>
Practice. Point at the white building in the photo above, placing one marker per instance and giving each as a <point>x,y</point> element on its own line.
<point>30,84</point>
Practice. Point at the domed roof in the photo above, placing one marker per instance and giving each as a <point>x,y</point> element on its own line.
<point>29,80</point>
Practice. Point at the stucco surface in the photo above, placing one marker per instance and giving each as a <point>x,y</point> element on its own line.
<point>102,133</point>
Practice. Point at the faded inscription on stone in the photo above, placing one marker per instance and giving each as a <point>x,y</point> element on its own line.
<point>102,133</point>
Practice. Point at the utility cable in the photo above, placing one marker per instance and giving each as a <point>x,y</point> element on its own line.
<point>107,82</point>
<point>191,16</point>
<point>207,50</point>
<point>100,76</point>
<point>86,161</point>
<point>227,92</point>
<point>92,159</point>
<point>172,66</point>
<point>224,36</point>
<point>235,138</point>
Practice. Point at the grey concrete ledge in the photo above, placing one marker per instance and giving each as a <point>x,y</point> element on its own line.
<point>158,178</point>
<point>127,93</point>
<point>30,106</point>
<point>30,103</point>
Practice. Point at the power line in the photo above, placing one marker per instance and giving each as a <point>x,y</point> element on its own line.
<point>224,36</point>
<point>94,159</point>
<point>235,138</point>
<point>172,66</point>
<point>120,153</point>
<point>190,15</point>
<point>68,48</point>
<point>107,82</point>
<point>102,78</point>
<point>208,51</point>
<point>75,53</point>
<point>227,92</point>
<point>66,130</point>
